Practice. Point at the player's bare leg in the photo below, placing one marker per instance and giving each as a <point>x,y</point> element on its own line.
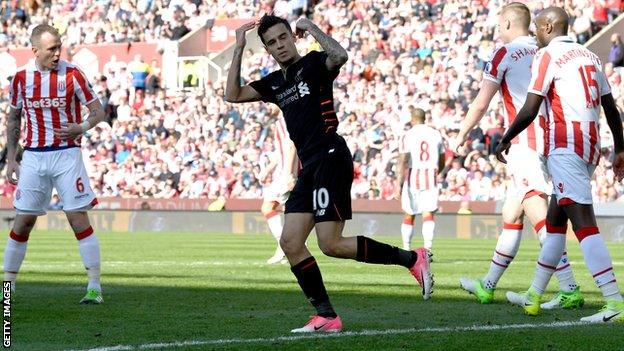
<point>365,249</point>
<point>550,255</point>
<point>90,252</point>
<point>274,221</point>
<point>17,243</point>
<point>569,295</point>
<point>297,228</point>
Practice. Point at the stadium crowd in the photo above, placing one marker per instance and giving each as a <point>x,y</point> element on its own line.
<point>403,54</point>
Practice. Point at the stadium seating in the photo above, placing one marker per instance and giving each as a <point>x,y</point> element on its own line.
<point>192,144</point>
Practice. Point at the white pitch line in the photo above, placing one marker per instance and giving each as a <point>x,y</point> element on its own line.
<point>219,342</point>
<point>199,264</point>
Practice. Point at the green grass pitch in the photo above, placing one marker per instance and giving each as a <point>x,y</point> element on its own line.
<point>214,292</point>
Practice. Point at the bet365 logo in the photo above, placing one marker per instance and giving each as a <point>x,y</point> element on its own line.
<point>57,102</point>
<point>303,89</point>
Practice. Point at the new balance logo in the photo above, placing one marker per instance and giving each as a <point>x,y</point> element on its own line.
<point>59,102</point>
<point>303,89</point>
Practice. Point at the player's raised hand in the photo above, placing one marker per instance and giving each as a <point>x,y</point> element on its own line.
<point>12,172</point>
<point>302,26</point>
<point>241,31</point>
<point>502,148</point>
<point>618,166</point>
<point>69,132</point>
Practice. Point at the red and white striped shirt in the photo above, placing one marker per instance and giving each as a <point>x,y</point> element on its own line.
<point>282,143</point>
<point>424,144</point>
<point>50,99</point>
<point>510,68</point>
<point>571,79</point>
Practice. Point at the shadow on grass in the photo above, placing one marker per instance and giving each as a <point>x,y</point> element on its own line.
<point>47,316</point>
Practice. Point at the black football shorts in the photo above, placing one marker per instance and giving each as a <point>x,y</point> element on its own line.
<point>324,187</point>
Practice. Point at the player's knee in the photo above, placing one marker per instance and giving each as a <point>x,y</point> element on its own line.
<point>513,217</point>
<point>330,248</point>
<point>78,220</point>
<point>23,226</point>
<point>289,245</point>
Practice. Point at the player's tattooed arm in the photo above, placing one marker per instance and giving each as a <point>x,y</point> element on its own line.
<point>336,54</point>
<point>96,115</point>
<point>13,132</point>
<point>73,130</point>
<point>234,92</point>
<point>13,135</point>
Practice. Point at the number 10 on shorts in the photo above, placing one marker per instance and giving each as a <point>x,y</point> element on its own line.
<point>320,200</point>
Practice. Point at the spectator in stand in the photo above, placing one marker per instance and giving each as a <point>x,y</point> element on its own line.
<point>616,54</point>
<point>140,72</point>
<point>426,54</point>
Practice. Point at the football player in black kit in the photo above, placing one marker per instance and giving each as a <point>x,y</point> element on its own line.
<point>321,198</point>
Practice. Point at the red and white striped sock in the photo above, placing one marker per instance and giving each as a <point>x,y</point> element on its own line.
<point>407,229</point>
<point>90,252</point>
<point>14,254</point>
<point>428,228</point>
<point>599,261</point>
<point>550,255</point>
<point>564,273</point>
<point>506,249</point>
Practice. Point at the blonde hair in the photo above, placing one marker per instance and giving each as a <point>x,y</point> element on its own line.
<point>38,31</point>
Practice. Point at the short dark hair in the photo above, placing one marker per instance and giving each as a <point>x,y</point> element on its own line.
<point>39,30</point>
<point>268,21</point>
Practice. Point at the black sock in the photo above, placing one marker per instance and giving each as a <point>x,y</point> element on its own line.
<point>311,282</point>
<point>371,251</point>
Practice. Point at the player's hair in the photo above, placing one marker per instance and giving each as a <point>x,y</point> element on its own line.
<point>35,36</point>
<point>418,114</point>
<point>521,13</point>
<point>268,21</point>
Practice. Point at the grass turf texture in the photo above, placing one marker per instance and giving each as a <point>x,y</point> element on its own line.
<point>171,287</point>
